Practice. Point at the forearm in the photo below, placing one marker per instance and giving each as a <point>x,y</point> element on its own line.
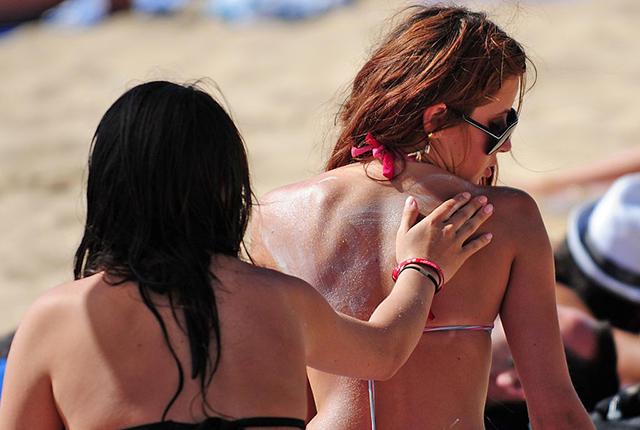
<point>374,349</point>
<point>564,412</point>
<point>628,351</point>
<point>404,311</point>
<point>612,168</point>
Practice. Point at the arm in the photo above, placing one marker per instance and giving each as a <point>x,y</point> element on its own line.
<point>628,351</point>
<point>627,344</point>
<point>606,170</point>
<point>377,348</point>
<point>27,398</point>
<point>530,322</point>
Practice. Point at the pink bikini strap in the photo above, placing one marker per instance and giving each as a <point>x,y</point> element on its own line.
<point>378,151</point>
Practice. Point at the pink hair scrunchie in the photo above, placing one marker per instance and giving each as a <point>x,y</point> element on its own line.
<point>378,151</point>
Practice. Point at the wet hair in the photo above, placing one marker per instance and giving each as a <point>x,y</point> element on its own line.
<point>168,187</point>
<point>435,55</point>
<point>605,305</point>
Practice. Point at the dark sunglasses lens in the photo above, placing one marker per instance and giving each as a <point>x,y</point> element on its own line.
<point>512,121</point>
<point>498,143</point>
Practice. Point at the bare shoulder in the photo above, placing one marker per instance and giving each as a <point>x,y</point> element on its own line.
<point>513,197</point>
<point>274,287</point>
<point>60,302</point>
<point>44,325</point>
<point>319,188</point>
<point>290,215</point>
<point>271,279</point>
<point>514,207</point>
<point>517,215</point>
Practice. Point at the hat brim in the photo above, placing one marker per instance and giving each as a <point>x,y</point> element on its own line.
<point>578,222</point>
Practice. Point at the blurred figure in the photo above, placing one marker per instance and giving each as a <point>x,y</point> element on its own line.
<point>84,13</point>
<point>16,11</point>
<point>13,12</point>
<point>591,359</point>
<point>598,267</point>
<point>598,292</point>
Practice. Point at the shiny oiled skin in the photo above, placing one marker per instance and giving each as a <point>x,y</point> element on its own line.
<point>337,230</point>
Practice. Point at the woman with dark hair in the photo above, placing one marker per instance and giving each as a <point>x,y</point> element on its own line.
<point>164,320</point>
<point>426,117</point>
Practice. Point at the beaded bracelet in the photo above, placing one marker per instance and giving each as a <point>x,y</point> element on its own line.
<point>423,273</point>
<point>420,262</point>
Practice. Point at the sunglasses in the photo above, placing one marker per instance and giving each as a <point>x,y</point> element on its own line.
<point>496,139</point>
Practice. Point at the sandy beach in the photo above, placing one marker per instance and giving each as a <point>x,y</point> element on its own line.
<point>283,82</point>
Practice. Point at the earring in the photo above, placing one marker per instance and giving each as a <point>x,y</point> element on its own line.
<point>421,155</point>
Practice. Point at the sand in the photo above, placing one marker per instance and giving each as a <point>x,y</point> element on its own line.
<point>283,82</point>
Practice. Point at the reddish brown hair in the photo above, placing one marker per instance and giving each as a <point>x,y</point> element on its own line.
<point>435,55</point>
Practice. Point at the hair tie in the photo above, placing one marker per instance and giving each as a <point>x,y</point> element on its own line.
<point>378,151</point>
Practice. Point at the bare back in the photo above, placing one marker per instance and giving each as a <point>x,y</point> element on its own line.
<point>110,368</point>
<point>345,248</point>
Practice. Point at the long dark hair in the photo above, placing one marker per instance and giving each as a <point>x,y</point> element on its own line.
<point>435,54</point>
<point>168,187</point>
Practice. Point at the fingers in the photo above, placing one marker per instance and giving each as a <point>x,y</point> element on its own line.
<point>449,207</point>
<point>472,224</point>
<point>409,215</point>
<point>461,216</point>
<point>476,244</point>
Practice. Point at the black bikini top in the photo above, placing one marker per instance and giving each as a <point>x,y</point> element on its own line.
<point>216,423</point>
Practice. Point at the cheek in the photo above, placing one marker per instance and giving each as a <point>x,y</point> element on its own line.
<point>478,144</point>
<point>459,144</point>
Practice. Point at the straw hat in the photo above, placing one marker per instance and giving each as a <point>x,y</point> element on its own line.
<point>604,238</point>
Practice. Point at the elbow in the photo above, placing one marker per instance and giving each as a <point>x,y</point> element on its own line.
<point>387,374</point>
<point>393,362</point>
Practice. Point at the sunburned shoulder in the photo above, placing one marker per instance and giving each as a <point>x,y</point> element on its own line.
<point>512,202</point>
<point>516,212</point>
<point>319,188</point>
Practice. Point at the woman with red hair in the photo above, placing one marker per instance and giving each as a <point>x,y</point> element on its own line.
<point>427,115</point>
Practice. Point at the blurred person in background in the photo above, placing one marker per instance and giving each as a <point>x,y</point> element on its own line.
<point>14,12</point>
<point>598,291</point>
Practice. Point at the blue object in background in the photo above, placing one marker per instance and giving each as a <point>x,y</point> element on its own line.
<point>78,13</point>
<point>249,10</point>
<point>86,13</point>
<point>6,28</point>
<point>3,364</point>
<point>159,7</point>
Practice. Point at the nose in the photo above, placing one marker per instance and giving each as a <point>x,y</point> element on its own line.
<point>506,147</point>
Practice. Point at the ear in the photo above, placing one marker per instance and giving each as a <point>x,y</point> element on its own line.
<point>433,116</point>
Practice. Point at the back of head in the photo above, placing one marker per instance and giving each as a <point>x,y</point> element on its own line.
<point>435,55</point>
<point>168,187</point>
